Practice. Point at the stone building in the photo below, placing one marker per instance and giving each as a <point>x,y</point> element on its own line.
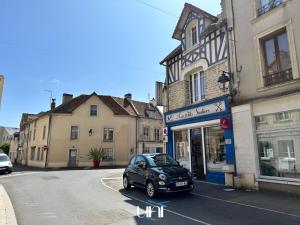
<point>197,115</point>
<point>266,112</point>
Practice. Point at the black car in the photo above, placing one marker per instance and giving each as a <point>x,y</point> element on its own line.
<point>158,173</point>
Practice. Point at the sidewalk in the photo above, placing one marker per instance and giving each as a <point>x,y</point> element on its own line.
<point>7,213</point>
<point>265,200</point>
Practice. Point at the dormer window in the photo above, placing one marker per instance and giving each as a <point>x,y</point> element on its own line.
<point>194,35</point>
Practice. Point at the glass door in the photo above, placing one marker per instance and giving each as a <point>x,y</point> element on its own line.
<point>197,154</point>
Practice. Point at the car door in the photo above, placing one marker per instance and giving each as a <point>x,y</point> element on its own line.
<point>141,171</point>
<point>131,169</point>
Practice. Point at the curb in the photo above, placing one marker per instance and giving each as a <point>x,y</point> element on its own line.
<point>7,213</point>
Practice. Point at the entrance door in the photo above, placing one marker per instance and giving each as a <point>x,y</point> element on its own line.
<point>72,158</point>
<point>197,154</point>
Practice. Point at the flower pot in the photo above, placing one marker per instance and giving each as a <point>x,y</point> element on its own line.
<point>96,163</point>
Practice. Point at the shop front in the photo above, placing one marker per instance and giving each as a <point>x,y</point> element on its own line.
<point>200,138</point>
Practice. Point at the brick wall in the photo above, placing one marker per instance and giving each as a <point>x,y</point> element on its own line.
<point>179,94</point>
<point>212,74</point>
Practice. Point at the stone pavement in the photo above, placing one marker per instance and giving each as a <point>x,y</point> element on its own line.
<point>7,213</point>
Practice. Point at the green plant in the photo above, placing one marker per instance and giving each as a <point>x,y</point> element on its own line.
<point>5,147</point>
<point>95,154</point>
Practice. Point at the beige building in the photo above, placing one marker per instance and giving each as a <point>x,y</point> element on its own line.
<point>266,117</point>
<point>14,145</point>
<point>63,136</point>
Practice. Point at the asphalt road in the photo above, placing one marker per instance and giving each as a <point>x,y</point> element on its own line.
<point>92,197</point>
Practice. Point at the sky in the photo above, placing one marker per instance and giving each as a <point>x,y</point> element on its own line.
<point>81,46</point>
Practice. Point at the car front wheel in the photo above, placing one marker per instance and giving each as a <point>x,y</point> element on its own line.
<point>126,183</point>
<point>151,191</point>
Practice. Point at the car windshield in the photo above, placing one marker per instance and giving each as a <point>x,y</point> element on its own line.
<point>4,158</point>
<point>161,160</point>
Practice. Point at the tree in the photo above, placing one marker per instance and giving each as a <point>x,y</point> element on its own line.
<point>5,147</point>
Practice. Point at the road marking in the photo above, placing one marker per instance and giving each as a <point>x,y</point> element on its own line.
<point>147,202</point>
<point>18,174</point>
<point>246,205</point>
<point>160,203</point>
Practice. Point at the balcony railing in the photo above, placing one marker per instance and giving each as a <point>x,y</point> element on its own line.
<point>278,78</point>
<point>268,7</point>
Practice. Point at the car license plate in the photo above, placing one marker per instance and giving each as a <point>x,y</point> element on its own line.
<point>180,184</point>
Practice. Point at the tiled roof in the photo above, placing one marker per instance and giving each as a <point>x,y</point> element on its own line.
<point>116,104</point>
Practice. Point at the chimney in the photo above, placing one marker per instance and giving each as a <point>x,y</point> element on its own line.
<point>127,99</point>
<point>52,106</point>
<point>66,98</point>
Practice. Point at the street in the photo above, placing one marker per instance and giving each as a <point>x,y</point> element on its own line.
<point>92,197</point>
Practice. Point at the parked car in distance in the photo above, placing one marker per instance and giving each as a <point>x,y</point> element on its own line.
<point>157,173</point>
<point>5,164</point>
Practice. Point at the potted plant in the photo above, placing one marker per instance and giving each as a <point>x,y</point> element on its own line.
<point>96,154</point>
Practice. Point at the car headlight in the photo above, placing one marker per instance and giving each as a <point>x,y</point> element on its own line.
<point>10,164</point>
<point>189,173</point>
<point>162,176</point>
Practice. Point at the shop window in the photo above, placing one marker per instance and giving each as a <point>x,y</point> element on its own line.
<point>182,148</point>
<point>278,68</point>
<point>279,145</point>
<point>215,149</point>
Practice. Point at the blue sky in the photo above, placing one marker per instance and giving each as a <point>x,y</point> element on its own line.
<point>80,46</point>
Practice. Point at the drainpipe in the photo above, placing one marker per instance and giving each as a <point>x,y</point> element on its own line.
<point>48,140</point>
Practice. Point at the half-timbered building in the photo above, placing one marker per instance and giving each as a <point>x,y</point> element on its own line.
<point>195,105</point>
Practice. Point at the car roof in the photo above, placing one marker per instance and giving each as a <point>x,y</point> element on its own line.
<point>3,154</point>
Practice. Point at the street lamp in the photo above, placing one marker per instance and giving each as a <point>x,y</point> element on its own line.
<point>224,81</point>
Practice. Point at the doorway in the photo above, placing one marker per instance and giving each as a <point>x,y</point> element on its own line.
<point>72,158</point>
<point>197,154</point>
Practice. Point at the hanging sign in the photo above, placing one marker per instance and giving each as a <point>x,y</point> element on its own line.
<point>224,123</point>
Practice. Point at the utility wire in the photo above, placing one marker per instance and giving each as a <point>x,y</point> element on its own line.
<point>157,8</point>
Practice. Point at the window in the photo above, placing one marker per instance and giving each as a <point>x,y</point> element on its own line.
<point>44,132</point>
<point>42,154</point>
<point>267,5</point>
<point>151,114</point>
<point>146,133</point>
<point>38,154</point>
<point>32,153</point>
<point>108,134</point>
<point>282,116</point>
<point>74,132</point>
<point>132,160</point>
<point>277,60</point>
<point>156,134</point>
<point>286,149</point>
<point>107,154</point>
<point>260,119</point>
<point>139,160</point>
<point>29,136</point>
<point>194,35</point>
<point>278,145</point>
<point>197,87</point>
<point>93,110</point>
<point>34,131</point>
